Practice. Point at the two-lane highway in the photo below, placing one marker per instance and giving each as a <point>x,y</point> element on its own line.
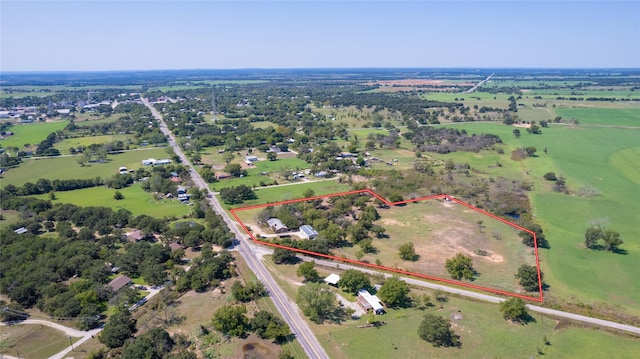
<point>288,309</point>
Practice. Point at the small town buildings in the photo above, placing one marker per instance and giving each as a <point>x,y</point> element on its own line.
<point>369,302</point>
<point>119,282</point>
<point>307,232</point>
<point>277,226</point>
<point>182,190</point>
<point>332,279</point>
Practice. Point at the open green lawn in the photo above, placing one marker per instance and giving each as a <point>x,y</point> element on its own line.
<point>31,133</point>
<point>32,341</point>
<point>293,191</point>
<point>603,116</point>
<point>254,178</point>
<point>66,167</point>
<point>64,145</point>
<point>604,158</point>
<point>483,332</point>
<point>135,200</point>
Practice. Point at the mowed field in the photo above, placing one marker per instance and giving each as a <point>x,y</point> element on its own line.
<point>31,133</point>
<point>135,200</point>
<point>66,167</point>
<point>66,144</point>
<point>32,341</point>
<point>482,330</point>
<point>602,152</point>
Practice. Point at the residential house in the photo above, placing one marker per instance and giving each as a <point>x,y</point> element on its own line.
<point>135,236</point>
<point>277,226</point>
<point>119,282</point>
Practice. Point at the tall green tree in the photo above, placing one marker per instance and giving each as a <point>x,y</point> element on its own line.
<point>408,252</point>
<point>352,280</point>
<point>460,267</point>
<point>317,301</point>
<point>231,320</point>
<point>437,331</point>
<point>514,309</point>
<point>118,329</point>
<point>528,276</point>
<point>394,292</point>
<point>308,271</point>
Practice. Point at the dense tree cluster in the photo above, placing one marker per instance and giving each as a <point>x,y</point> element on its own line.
<point>317,301</point>
<point>528,277</point>
<point>237,194</point>
<point>446,140</point>
<point>460,267</point>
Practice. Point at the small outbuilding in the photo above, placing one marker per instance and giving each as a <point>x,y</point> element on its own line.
<point>332,279</point>
<point>307,232</point>
<point>370,302</point>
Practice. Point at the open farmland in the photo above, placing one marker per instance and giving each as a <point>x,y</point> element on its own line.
<point>135,200</point>
<point>31,133</point>
<point>66,167</point>
<point>65,145</point>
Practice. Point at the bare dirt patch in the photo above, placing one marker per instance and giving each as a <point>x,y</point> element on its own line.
<point>254,347</point>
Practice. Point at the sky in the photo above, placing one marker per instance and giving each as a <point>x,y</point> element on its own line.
<point>93,35</point>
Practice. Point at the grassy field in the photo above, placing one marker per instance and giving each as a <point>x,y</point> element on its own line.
<point>31,133</point>
<point>32,341</point>
<point>605,158</point>
<point>483,332</point>
<point>64,145</point>
<point>135,200</point>
<point>292,191</point>
<point>67,168</point>
<point>603,116</point>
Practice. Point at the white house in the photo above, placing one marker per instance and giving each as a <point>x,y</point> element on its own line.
<point>148,162</point>
<point>251,158</point>
<point>307,232</point>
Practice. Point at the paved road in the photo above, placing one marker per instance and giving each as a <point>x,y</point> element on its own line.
<point>479,84</point>
<point>288,309</point>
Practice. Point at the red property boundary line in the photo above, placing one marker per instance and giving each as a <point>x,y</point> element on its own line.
<point>540,298</point>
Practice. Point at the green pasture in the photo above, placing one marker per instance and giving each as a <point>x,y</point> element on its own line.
<point>588,343</point>
<point>253,177</point>
<point>135,200</point>
<point>32,341</point>
<point>292,191</point>
<point>629,117</point>
<point>483,332</point>
<point>64,145</point>
<point>66,167</point>
<point>604,158</point>
<point>31,133</point>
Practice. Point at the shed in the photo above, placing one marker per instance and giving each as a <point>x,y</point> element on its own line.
<point>332,279</point>
<point>119,282</point>
<point>251,158</point>
<point>307,232</point>
<point>277,226</point>
<point>20,230</point>
<point>368,301</point>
